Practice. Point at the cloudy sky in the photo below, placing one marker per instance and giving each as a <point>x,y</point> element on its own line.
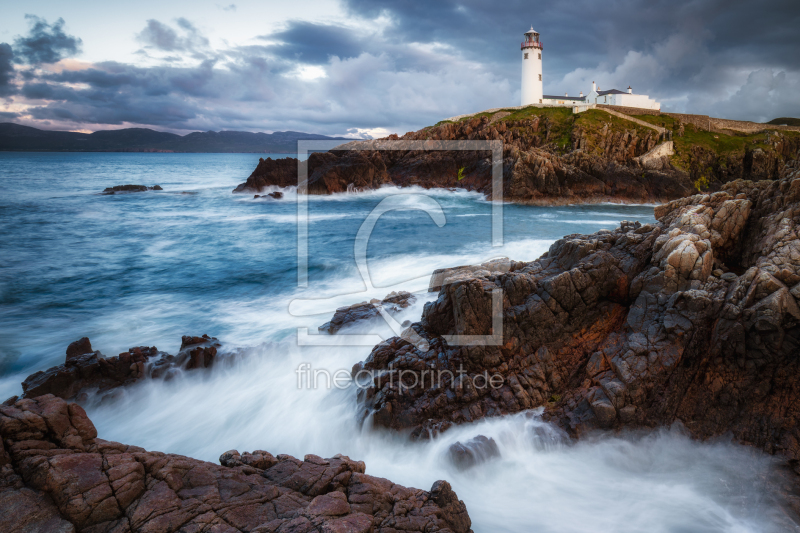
<point>372,67</point>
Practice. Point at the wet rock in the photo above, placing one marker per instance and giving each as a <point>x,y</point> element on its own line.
<point>694,318</point>
<point>87,371</point>
<point>474,451</point>
<point>393,304</point>
<point>57,476</point>
<point>79,347</point>
<point>595,167</point>
<point>130,188</point>
<point>276,194</point>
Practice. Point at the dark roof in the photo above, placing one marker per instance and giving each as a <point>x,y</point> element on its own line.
<point>548,97</point>
<point>612,91</point>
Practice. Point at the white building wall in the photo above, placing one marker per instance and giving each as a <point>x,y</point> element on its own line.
<point>630,100</point>
<point>636,100</point>
<point>532,86</point>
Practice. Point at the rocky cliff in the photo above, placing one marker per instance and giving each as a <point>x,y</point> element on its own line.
<point>549,156</point>
<point>694,318</point>
<point>56,476</point>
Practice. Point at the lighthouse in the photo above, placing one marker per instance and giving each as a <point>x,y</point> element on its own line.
<point>532,68</point>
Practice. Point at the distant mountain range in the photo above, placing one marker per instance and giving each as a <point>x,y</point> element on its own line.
<point>15,137</point>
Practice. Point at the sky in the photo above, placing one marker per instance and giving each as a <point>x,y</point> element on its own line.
<point>367,68</point>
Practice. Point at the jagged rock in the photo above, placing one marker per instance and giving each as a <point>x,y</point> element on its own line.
<point>78,348</point>
<point>57,476</point>
<point>276,194</point>
<point>474,451</point>
<point>694,318</point>
<point>85,371</point>
<point>393,303</point>
<point>130,188</point>
<point>533,168</point>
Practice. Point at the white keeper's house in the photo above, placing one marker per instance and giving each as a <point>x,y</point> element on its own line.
<point>532,84</point>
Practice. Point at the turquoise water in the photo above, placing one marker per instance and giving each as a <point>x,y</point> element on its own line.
<point>145,268</point>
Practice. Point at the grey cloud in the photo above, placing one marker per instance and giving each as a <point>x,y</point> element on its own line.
<point>6,70</point>
<point>435,60</point>
<point>162,37</point>
<point>229,7</point>
<point>689,54</point>
<point>313,43</point>
<point>45,43</point>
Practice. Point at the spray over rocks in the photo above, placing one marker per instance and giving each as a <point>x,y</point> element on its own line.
<point>694,319</point>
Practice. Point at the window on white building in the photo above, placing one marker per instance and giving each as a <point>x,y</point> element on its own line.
<point>540,56</point>
<point>526,55</point>
<point>540,77</point>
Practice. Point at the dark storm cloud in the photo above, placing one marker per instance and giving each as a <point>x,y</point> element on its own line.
<point>694,56</point>
<point>312,43</point>
<point>434,60</point>
<point>6,69</point>
<point>45,43</point>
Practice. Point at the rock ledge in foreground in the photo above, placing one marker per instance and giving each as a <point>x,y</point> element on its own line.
<point>56,476</point>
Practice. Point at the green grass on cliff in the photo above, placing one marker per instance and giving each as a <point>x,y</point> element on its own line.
<point>786,121</point>
<point>560,120</point>
<point>593,121</point>
<point>562,123</point>
<point>719,143</point>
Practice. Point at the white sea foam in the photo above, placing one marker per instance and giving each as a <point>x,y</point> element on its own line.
<point>661,481</point>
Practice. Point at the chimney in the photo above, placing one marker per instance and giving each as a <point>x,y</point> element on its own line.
<point>630,91</point>
<point>581,93</point>
<point>594,87</point>
<point>566,94</point>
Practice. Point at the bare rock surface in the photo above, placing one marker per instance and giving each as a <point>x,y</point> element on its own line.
<point>56,476</point>
<point>694,318</point>
<point>86,370</point>
<point>130,188</point>
<point>392,304</point>
<point>535,169</point>
<point>476,450</point>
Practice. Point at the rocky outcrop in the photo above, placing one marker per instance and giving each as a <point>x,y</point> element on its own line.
<point>392,304</point>
<point>754,162</point>
<point>87,371</point>
<point>130,188</point>
<point>476,450</point>
<point>56,476</point>
<point>694,318</point>
<point>277,195</point>
<point>595,165</point>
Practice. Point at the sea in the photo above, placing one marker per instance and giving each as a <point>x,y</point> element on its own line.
<point>261,275</point>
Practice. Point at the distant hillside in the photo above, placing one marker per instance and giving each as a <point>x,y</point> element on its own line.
<point>15,137</point>
<point>786,121</point>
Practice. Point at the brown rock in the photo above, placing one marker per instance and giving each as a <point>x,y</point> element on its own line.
<point>627,327</point>
<point>79,347</point>
<point>393,303</point>
<point>85,372</point>
<point>92,485</point>
<point>595,168</point>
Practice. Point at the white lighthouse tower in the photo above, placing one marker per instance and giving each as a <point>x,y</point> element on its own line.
<point>532,69</point>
